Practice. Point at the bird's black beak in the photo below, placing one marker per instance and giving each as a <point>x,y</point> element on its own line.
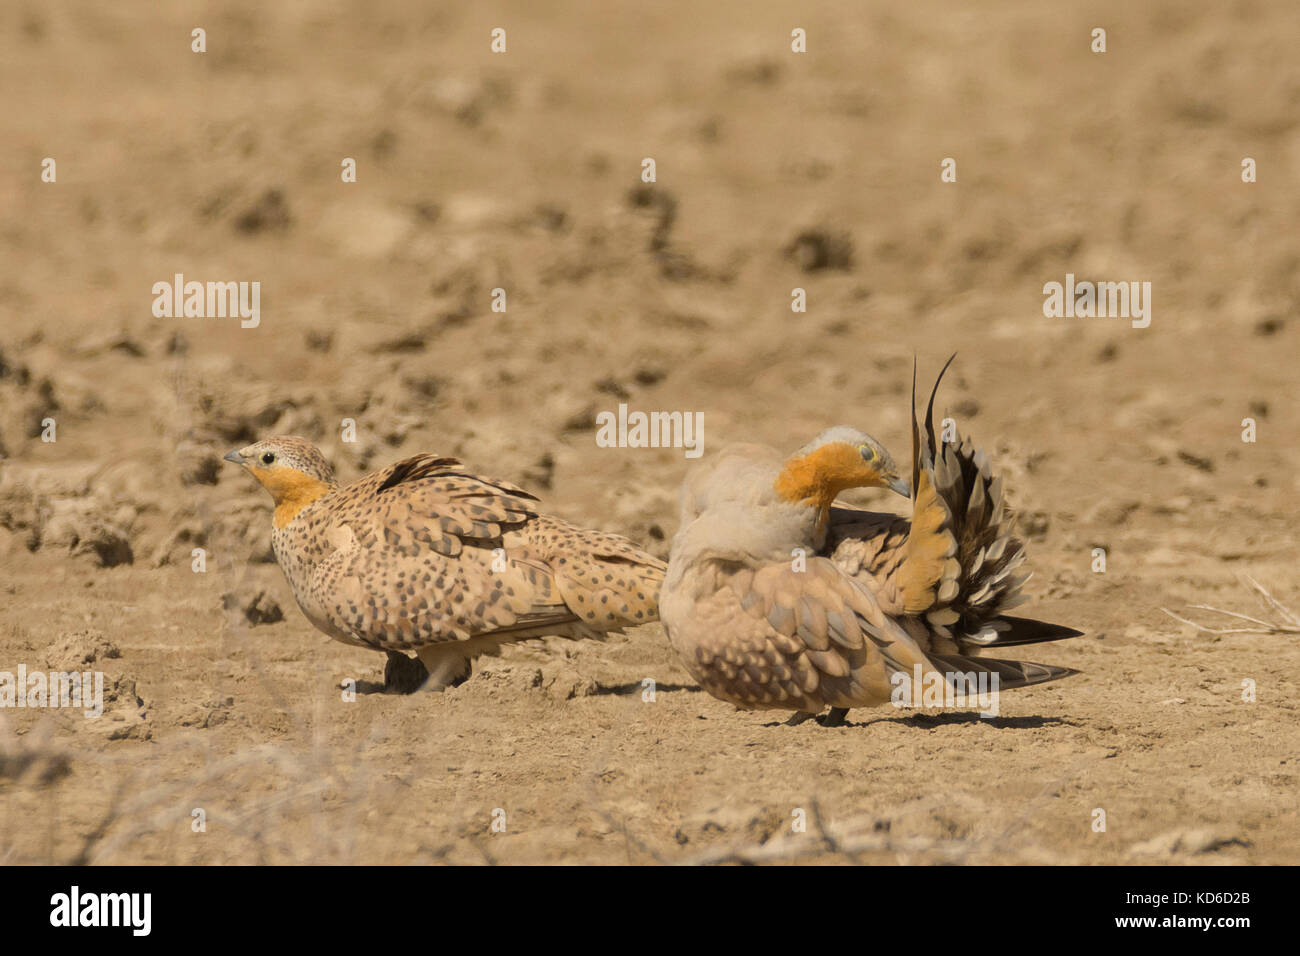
<point>900,485</point>
<point>234,456</point>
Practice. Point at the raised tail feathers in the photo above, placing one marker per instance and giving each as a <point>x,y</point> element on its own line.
<point>930,576</point>
<point>964,555</point>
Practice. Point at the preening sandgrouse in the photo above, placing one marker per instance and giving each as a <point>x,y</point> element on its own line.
<point>777,599</point>
<point>425,556</point>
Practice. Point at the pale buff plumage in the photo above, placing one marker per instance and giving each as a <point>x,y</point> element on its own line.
<point>427,556</point>
<point>775,599</point>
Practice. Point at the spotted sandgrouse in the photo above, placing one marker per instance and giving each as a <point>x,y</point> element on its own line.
<point>776,599</point>
<point>426,556</point>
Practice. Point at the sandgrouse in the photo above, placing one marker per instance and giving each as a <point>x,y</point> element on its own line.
<point>777,599</point>
<point>426,556</point>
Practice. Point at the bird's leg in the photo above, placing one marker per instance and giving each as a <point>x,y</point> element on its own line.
<point>402,674</point>
<point>799,717</point>
<point>448,666</point>
<point>837,717</point>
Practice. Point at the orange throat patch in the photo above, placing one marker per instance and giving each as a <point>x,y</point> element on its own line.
<point>291,490</point>
<point>816,479</point>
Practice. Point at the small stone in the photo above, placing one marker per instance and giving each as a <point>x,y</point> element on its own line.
<point>251,608</point>
<point>87,646</point>
<point>816,249</point>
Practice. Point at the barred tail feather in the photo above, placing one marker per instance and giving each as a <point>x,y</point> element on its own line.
<point>964,553</point>
<point>1008,631</point>
<point>1010,674</point>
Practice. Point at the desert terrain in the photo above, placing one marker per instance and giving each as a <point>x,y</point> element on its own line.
<point>226,736</point>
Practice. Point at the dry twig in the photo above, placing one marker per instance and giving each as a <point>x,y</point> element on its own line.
<point>1287,623</point>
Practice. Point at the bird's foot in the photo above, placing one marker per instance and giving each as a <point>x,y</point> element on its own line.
<point>799,717</point>
<point>836,717</point>
<point>460,678</point>
<point>446,666</point>
<point>402,674</point>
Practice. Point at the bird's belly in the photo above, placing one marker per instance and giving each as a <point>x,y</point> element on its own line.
<point>298,574</point>
<point>322,621</point>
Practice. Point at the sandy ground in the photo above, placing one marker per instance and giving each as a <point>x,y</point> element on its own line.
<point>522,171</point>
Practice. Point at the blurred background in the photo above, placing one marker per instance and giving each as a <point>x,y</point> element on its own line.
<point>522,171</point>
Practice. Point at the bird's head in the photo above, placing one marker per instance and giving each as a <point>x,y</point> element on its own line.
<point>292,469</point>
<point>838,459</point>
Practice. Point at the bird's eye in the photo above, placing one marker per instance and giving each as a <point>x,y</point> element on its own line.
<point>267,458</point>
<point>868,453</point>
